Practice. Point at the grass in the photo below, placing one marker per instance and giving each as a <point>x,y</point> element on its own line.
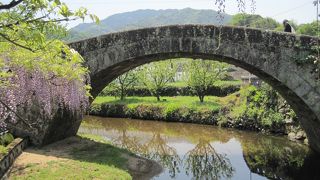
<point>90,157</point>
<point>3,150</point>
<point>70,169</point>
<point>211,102</point>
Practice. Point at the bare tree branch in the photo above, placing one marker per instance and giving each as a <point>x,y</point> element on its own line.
<point>24,121</point>
<point>12,4</point>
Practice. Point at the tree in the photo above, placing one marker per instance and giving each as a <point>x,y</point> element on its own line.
<point>124,82</point>
<point>202,74</point>
<point>35,66</point>
<point>255,21</point>
<point>310,29</point>
<point>27,23</point>
<point>157,75</point>
<point>35,25</point>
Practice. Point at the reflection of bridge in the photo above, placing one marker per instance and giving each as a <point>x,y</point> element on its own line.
<point>269,55</point>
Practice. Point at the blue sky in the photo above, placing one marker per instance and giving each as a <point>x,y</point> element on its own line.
<point>302,11</point>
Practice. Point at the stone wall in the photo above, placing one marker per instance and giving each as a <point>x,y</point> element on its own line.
<point>42,129</point>
<point>15,148</point>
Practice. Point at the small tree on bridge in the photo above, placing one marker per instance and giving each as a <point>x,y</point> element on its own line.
<point>202,75</point>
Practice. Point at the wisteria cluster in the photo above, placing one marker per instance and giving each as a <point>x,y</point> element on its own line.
<point>221,5</point>
<point>46,90</point>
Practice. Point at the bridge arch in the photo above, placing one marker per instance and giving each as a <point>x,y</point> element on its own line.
<point>269,55</point>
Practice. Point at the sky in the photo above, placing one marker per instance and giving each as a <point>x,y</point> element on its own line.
<point>301,11</point>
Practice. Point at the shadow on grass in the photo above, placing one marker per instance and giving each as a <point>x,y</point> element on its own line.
<point>85,150</point>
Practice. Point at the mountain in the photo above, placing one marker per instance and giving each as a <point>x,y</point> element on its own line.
<point>145,18</point>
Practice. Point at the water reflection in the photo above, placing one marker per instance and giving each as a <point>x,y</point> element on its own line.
<point>188,151</point>
<point>157,149</point>
<point>205,163</point>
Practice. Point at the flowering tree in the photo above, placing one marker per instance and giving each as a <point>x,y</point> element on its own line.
<point>35,66</point>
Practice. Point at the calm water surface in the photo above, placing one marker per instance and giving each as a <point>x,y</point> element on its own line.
<point>189,151</point>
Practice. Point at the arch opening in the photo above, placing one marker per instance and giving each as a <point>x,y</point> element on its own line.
<point>108,75</point>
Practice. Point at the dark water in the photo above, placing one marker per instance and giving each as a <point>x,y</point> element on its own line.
<point>189,151</point>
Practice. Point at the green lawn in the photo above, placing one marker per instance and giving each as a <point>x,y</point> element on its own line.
<point>70,169</point>
<point>84,157</point>
<point>211,102</point>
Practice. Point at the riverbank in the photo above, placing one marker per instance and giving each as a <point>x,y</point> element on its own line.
<point>171,109</point>
<point>244,110</point>
<point>82,157</point>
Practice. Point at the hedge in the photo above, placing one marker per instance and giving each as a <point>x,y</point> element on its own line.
<point>155,112</point>
<point>219,91</point>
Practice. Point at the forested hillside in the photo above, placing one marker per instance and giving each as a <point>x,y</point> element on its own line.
<point>145,18</point>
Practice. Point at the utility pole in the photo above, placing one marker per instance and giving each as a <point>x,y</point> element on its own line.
<point>316,3</point>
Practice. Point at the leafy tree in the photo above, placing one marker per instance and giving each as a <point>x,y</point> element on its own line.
<point>122,83</point>
<point>309,29</point>
<point>35,25</point>
<point>157,75</point>
<point>35,66</point>
<point>255,21</point>
<point>202,74</point>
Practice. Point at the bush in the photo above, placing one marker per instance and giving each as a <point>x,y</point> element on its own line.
<point>219,90</point>
<point>155,112</point>
<point>6,139</point>
<point>260,109</point>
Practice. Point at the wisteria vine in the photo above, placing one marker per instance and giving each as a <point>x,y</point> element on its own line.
<point>48,90</point>
<point>221,4</point>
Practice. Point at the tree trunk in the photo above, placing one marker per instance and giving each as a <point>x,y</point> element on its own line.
<point>122,94</point>
<point>201,97</point>
<point>158,97</point>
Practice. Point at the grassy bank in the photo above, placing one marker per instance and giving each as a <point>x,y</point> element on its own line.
<point>172,109</point>
<point>251,108</point>
<point>192,102</point>
<point>81,157</point>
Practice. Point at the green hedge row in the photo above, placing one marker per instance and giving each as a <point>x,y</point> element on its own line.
<point>219,91</point>
<point>154,112</point>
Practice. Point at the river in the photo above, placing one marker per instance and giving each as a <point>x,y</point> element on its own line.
<point>191,151</point>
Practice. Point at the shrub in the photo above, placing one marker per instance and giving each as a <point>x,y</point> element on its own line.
<point>217,90</point>
<point>155,112</point>
<point>6,139</point>
<point>259,109</point>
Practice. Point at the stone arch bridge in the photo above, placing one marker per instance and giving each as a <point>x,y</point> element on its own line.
<point>272,56</point>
